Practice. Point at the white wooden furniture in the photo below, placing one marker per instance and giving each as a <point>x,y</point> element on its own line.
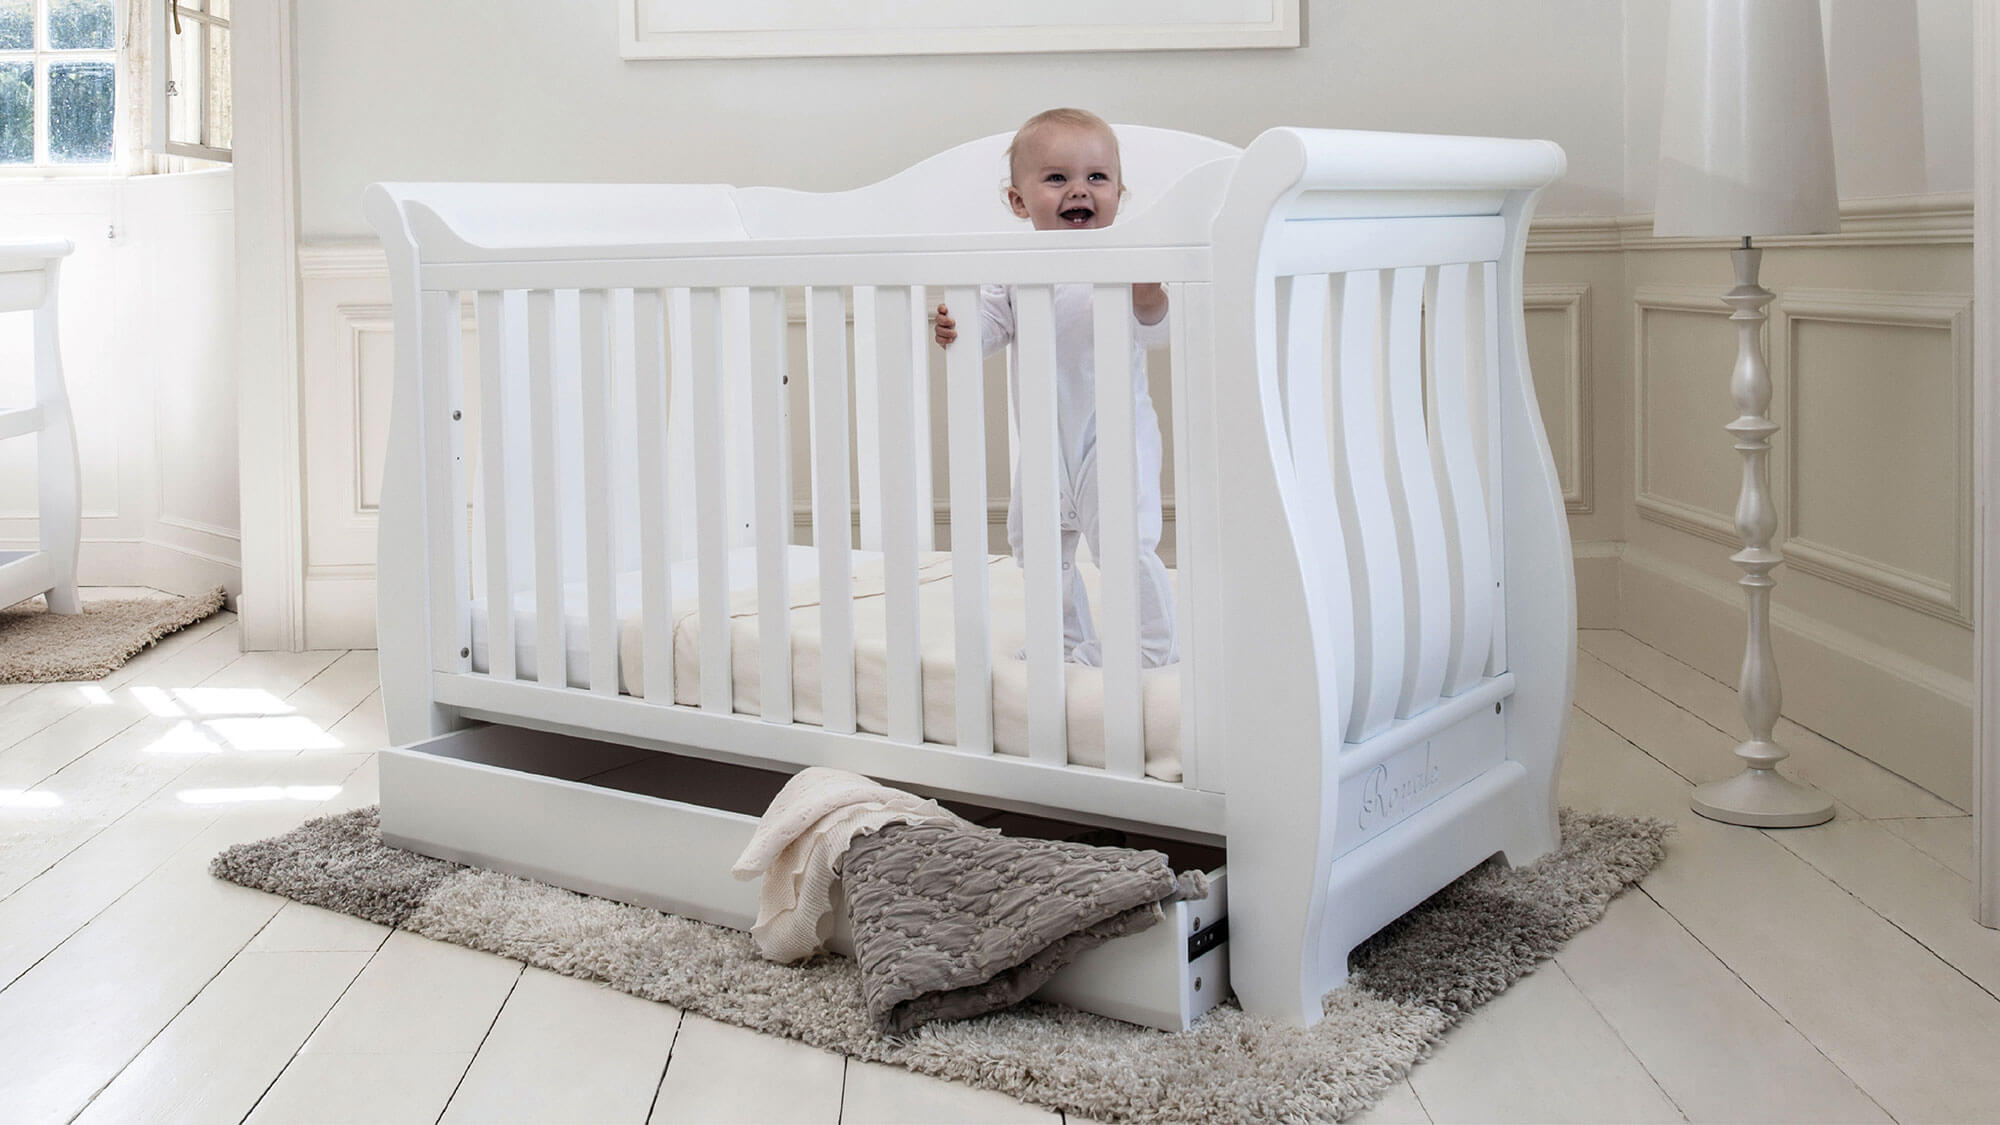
<point>28,274</point>
<point>1376,599</point>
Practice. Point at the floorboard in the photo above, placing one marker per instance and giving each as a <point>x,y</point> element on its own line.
<point>566,1050</point>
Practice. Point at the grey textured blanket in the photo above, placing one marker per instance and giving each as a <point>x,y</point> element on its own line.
<point>951,922</point>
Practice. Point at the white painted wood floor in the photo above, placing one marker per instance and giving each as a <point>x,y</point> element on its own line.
<point>1824,974</point>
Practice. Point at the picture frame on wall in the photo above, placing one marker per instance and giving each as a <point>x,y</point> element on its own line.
<point>700,29</point>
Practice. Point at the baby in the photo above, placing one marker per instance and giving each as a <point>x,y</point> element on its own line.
<point>1064,175</point>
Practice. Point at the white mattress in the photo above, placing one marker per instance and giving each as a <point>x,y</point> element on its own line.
<point>1085,685</point>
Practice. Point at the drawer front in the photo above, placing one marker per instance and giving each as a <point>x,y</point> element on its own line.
<point>544,807</point>
<point>1165,977</point>
<point>648,851</point>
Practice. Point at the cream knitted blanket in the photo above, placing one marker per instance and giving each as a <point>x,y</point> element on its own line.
<point>798,845</point>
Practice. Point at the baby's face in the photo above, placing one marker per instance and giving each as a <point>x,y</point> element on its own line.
<point>1066,178</point>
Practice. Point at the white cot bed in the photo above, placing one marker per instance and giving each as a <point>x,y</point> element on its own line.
<point>1374,597</point>
<point>29,272</point>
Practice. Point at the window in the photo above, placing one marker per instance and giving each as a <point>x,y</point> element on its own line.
<point>191,85</point>
<point>58,83</point>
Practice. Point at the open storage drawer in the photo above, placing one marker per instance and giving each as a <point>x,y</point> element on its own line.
<point>662,830</point>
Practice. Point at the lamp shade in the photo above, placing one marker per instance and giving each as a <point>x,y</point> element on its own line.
<point>1746,142</point>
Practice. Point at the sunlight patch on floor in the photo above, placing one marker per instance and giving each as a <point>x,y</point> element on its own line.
<point>176,703</point>
<point>295,732</point>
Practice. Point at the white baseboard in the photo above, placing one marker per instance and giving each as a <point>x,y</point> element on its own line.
<point>340,611</point>
<point>119,561</point>
<point>1907,717</point>
<point>179,570</point>
<point>1597,583</point>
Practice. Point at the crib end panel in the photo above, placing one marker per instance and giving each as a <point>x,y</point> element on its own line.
<point>1537,635</point>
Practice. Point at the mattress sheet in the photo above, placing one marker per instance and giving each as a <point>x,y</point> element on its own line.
<point>935,613</point>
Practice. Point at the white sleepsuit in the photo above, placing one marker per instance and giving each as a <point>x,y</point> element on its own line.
<point>1076,435</point>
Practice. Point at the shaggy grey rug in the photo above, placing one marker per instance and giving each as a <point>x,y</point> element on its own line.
<point>1407,984</point>
<point>39,647</point>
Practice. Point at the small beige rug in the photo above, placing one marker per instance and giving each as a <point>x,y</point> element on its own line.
<point>1407,984</point>
<point>39,647</point>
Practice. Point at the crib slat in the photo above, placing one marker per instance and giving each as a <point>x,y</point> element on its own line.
<point>1188,322</point>
<point>1045,574</point>
<point>965,379</point>
<point>599,535</point>
<point>683,513</point>
<point>920,415</point>
<point>1419,524</point>
<point>1303,318</point>
<point>656,674</point>
<point>711,485</point>
<point>774,502</point>
<point>741,442</point>
<point>868,415</point>
<point>1488,413</point>
<point>493,468</point>
<point>1374,565</point>
<point>551,663</point>
<point>444,481</point>
<point>833,519</point>
<point>1463,496</point>
<point>1118,531</point>
<point>899,516</point>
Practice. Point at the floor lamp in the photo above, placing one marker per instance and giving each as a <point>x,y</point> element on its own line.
<point>1746,150</point>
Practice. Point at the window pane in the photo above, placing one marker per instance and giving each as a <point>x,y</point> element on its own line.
<point>220,8</point>
<point>81,23</point>
<point>80,112</point>
<point>185,94</point>
<point>17,113</point>
<point>218,87</point>
<point>17,25</point>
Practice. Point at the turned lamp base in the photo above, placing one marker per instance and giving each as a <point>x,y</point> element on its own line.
<point>1762,799</point>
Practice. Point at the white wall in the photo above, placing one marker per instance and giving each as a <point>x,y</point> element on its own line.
<point>146,302</point>
<point>524,90</point>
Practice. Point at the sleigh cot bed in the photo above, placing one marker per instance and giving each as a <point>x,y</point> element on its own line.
<point>611,623</point>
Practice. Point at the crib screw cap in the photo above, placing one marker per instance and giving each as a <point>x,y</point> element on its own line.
<point>454,415</point>
<point>465,652</point>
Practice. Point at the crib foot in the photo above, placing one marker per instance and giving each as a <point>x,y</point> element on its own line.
<point>64,600</point>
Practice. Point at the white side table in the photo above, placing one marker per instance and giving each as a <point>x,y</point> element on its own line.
<point>28,273</point>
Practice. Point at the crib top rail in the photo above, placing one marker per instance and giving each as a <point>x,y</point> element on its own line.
<point>523,231</point>
<point>518,224</point>
<point>31,255</point>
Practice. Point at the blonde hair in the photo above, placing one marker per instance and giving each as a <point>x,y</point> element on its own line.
<point>1061,116</point>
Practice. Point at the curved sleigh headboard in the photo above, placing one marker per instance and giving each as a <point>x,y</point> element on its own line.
<point>963,190</point>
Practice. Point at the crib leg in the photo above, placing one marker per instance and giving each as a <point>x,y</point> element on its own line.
<point>1533,832</point>
<point>1279,861</point>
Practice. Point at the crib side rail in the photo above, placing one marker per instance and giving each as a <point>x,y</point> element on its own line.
<point>674,373</point>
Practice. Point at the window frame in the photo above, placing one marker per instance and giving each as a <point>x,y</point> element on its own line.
<point>161,63</point>
<point>39,56</point>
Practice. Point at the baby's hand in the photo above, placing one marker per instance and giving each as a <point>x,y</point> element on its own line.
<point>946,329</point>
<point>1149,301</point>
